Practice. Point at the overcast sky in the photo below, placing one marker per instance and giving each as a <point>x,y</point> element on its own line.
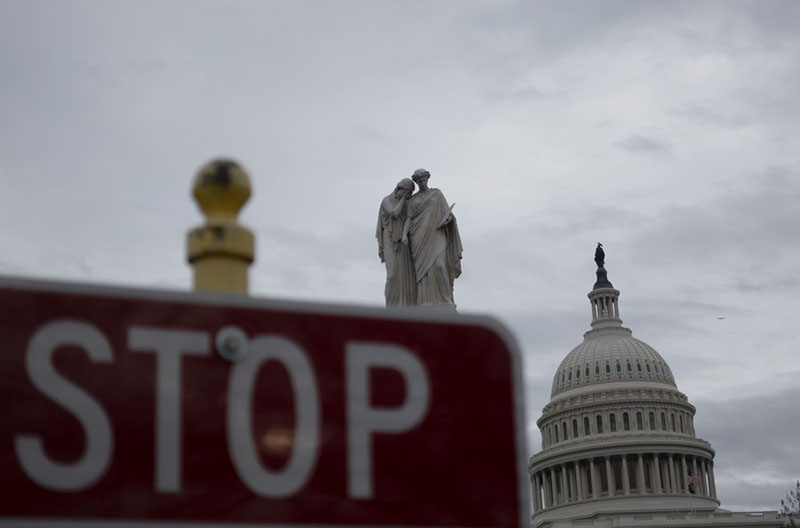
<point>669,131</point>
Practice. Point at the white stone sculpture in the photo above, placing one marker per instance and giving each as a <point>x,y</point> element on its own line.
<point>430,230</point>
<point>400,289</point>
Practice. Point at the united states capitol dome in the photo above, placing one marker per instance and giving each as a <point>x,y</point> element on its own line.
<point>617,434</point>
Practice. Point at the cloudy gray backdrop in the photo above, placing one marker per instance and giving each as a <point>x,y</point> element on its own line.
<point>666,130</point>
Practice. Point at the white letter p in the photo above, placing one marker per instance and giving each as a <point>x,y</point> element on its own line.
<point>363,420</point>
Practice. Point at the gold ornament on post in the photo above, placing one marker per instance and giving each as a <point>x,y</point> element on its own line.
<point>221,250</point>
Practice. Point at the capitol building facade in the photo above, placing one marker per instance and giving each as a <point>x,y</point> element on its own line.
<point>618,438</point>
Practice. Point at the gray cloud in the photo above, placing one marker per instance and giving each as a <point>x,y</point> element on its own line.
<point>328,263</point>
<point>522,94</point>
<point>709,112</point>
<point>756,452</point>
<point>644,145</point>
<point>741,232</point>
<point>367,133</point>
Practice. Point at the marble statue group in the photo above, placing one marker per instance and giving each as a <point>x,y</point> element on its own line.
<point>418,241</point>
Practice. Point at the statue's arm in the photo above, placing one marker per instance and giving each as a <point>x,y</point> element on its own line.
<point>379,236</point>
<point>386,205</point>
<point>406,225</point>
<point>397,210</point>
<point>447,220</point>
<point>448,217</point>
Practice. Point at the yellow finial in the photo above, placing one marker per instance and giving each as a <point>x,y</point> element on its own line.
<point>221,188</point>
<point>221,250</point>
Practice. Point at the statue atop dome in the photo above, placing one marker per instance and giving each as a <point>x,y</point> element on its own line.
<point>599,255</point>
<point>602,274</point>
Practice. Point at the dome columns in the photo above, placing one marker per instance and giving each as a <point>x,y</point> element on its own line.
<point>609,477</point>
<point>640,483</point>
<point>626,484</point>
<point>605,308</point>
<point>656,484</point>
<point>711,480</point>
<point>604,478</point>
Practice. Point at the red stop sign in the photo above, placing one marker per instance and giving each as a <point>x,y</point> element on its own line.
<point>133,407</point>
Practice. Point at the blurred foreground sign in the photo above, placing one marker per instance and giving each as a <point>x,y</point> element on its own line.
<point>135,408</point>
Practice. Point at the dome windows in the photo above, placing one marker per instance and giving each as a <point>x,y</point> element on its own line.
<point>630,369</point>
<point>578,373</point>
<point>613,421</point>
<point>619,368</point>
<point>638,366</point>
<point>569,376</point>
<point>608,368</point>
<point>647,366</point>
<point>587,371</point>
<point>597,369</point>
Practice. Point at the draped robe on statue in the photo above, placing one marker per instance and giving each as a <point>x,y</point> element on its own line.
<point>435,247</point>
<point>401,287</point>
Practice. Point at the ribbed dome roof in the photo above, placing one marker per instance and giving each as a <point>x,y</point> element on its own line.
<point>610,355</point>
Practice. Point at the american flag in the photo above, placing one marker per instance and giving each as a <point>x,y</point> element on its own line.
<point>694,479</point>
